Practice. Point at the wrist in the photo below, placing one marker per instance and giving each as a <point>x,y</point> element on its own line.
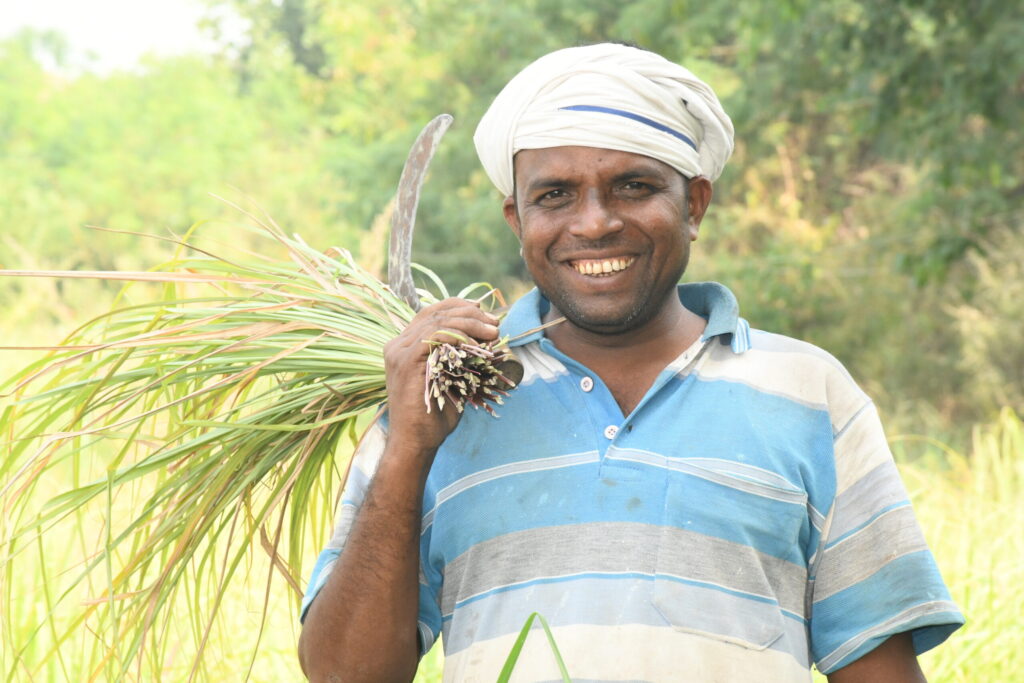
<point>408,456</point>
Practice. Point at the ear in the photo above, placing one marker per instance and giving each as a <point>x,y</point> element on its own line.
<point>508,208</point>
<point>700,196</point>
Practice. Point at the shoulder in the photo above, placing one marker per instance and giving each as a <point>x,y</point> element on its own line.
<point>789,368</point>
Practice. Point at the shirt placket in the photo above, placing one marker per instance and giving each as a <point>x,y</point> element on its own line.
<point>591,398</point>
<point>607,425</point>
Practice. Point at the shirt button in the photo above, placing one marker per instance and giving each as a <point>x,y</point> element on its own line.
<point>586,384</point>
<point>610,431</point>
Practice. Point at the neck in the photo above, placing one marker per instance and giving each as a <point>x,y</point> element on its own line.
<point>628,362</point>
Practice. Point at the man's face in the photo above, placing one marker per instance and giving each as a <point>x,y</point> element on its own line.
<point>606,234</point>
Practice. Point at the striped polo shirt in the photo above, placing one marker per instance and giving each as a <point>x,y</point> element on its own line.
<point>744,522</point>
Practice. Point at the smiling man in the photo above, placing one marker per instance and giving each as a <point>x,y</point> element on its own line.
<point>683,498</point>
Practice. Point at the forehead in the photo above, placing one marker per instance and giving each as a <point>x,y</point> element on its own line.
<point>574,161</point>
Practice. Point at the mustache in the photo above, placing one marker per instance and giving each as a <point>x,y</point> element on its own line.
<point>578,246</point>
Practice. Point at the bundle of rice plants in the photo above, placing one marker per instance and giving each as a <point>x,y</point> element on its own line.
<point>222,402</point>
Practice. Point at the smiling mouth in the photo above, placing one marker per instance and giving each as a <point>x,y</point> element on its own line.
<point>602,267</point>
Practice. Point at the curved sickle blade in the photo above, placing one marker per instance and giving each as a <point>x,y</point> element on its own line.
<point>403,217</point>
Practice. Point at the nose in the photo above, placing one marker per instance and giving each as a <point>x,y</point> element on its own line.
<point>595,217</point>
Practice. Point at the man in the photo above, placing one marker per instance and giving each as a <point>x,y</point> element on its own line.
<point>683,498</point>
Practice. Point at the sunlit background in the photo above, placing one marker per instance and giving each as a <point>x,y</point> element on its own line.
<point>107,35</point>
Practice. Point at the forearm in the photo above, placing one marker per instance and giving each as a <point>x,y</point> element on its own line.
<point>362,625</point>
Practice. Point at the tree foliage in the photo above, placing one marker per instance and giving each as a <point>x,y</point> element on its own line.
<point>877,146</point>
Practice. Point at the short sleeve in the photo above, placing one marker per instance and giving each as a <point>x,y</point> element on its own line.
<point>874,575</point>
<point>364,466</point>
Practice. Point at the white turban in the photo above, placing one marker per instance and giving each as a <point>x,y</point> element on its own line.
<point>608,96</point>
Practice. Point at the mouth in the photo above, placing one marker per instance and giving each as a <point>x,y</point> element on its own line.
<point>601,267</point>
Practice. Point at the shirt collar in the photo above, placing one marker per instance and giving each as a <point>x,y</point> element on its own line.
<point>710,300</point>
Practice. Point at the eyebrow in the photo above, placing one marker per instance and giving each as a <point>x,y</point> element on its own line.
<point>546,183</point>
<point>641,170</point>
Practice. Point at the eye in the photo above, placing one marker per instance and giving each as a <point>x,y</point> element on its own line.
<point>555,197</point>
<point>636,188</point>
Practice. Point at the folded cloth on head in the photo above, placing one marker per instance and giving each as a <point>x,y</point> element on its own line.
<point>609,96</point>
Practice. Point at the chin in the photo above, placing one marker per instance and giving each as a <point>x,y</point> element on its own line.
<point>602,322</point>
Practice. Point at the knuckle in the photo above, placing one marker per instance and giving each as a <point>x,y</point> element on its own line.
<point>391,352</point>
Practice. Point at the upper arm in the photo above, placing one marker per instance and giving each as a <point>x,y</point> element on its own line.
<point>363,470</point>
<point>873,575</point>
<point>893,661</point>
<point>357,482</point>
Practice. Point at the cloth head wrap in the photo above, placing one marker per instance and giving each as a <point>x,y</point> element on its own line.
<point>608,96</point>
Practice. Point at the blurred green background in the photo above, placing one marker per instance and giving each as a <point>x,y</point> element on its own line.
<point>873,205</point>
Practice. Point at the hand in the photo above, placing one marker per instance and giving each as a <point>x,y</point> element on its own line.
<point>405,362</point>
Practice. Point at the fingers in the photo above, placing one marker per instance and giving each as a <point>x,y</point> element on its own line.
<point>405,362</point>
<point>458,309</point>
<point>465,330</point>
<point>452,320</point>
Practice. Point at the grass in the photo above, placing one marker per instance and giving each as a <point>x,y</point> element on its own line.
<point>172,445</point>
<point>199,427</point>
<point>972,510</point>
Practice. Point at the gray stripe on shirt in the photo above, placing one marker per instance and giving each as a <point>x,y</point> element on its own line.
<point>860,555</point>
<point>877,490</point>
<point>621,547</point>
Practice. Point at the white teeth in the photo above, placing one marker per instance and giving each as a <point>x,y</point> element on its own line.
<point>602,267</point>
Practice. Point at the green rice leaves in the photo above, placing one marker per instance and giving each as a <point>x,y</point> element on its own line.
<point>199,424</point>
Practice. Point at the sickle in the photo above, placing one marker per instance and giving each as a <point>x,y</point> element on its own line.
<point>403,217</point>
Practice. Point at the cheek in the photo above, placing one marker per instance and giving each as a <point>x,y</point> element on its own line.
<point>670,210</point>
<point>672,226</point>
<point>537,235</point>
<point>533,250</point>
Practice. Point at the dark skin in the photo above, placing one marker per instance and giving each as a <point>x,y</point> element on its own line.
<point>581,205</point>
<point>628,220</point>
<point>362,626</point>
<point>893,661</point>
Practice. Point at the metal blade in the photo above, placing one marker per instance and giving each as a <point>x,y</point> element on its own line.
<point>403,217</point>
